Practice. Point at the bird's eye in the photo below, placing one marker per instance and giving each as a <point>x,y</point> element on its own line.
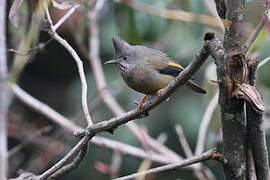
<point>125,57</point>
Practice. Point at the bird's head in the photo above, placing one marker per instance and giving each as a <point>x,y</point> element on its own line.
<point>125,55</point>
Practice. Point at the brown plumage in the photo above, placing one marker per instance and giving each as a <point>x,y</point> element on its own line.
<point>146,70</point>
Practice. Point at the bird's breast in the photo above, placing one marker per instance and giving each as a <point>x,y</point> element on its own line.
<point>146,80</point>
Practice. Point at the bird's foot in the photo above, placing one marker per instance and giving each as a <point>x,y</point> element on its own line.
<point>141,103</point>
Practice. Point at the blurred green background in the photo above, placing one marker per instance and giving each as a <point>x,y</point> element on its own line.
<point>181,40</point>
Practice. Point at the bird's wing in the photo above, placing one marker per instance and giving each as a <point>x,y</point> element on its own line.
<point>175,69</point>
<point>171,68</point>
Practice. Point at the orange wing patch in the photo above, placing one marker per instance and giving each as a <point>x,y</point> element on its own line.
<point>176,65</point>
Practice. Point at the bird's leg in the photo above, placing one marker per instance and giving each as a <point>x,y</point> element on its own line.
<point>141,103</point>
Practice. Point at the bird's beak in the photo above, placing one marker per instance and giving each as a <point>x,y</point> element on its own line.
<point>113,61</point>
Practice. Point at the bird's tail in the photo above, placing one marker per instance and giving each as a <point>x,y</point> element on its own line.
<point>195,87</point>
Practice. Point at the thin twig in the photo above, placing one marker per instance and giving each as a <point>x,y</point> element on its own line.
<point>183,141</point>
<point>71,166</point>
<point>40,46</point>
<point>258,29</point>
<point>196,159</point>
<point>3,93</point>
<point>254,36</point>
<point>204,124</point>
<point>95,61</point>
<point>200,171</point>
<point>256,132</point>
<point>65,159</point>
<point>78,62</point>
<point>65,17</point>
<point>115,164</point>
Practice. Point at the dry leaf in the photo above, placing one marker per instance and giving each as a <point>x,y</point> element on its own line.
<point>13,13</point>
<point>250,94</point>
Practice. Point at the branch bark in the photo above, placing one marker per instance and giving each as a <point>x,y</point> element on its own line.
<point>232,114</point>
<point>76,57</point>
<point>256,132</point>
<point>83,142</point>
<point>231,63</point>
<point>193,160</point>
<point>232,110</point>
<point>71,166</point>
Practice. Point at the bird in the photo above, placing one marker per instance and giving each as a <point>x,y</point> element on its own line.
<point>146,70</point>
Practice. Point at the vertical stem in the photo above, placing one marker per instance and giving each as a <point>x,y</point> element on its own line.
<point>232,110</point>
<point>256,138</point>
<point>234,138</point>
<point>3,92</point>
<point>256,132</point>
<point>235,16</point>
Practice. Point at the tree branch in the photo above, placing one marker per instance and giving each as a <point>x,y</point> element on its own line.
<point>204,124</point>
<point>258,29</point>
<point>183,141</point>
<point>69,126</point>
<point>232,112</point>
<point>193,160</point>
<point>256,132</point>
<point>78,61</point>
<point>83,142</point>
<point>71,166</point>
<point>65,17</point>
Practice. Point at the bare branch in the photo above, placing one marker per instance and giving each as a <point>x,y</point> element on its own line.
<point>65,17</point>
<point>256,132</point>
<point>95,61</point>
<point>130,150</point>
<point>74,164</point>
<point>78,62</point>
<point>196,159</point>
<point>200,171</point>
<point>204,124</point>
<point>83,142</point>
<point>71,127</point>
<point>183,141</point>
<point>39,47</point>
<point>115,164</point>
<point>258,29</point>
<point>3,93</point>
<point>232,109</point>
